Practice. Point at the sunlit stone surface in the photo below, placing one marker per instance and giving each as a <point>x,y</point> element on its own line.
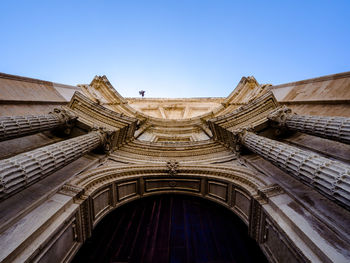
<point>283,178</point>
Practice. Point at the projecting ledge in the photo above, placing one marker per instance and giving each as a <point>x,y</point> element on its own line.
<point>36,229</point>
<point>304,231</point>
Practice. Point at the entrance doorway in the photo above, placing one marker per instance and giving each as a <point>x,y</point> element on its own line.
<point>170,229</point>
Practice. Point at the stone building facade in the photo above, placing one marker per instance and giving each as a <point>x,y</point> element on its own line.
<point>276,156</point>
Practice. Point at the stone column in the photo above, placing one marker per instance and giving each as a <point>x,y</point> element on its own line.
<point>334,128</point>
<point>23,169</point>
<point>18,126</point>
<point>329,177</point>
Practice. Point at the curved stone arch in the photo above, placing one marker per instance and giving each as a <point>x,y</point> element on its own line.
<point>260,203</point>
<point>231,216</point>
<point>164,192</point>
<point>96,179</point>
<point>267,210</point>
<point>100,191</point>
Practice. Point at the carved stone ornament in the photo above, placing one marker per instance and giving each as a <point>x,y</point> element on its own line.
<point>107,138</point>
<point>239,136</point>
<point>280,115</point>
<point>65,116</point>
<point>172,166</point>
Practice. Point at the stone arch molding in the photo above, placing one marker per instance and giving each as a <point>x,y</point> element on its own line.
<point>83,201</point>
<point>100,191</point>
<point>263,205</point>
<point>239,189</point>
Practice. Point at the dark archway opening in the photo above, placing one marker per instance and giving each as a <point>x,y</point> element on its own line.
<point>170,228</point>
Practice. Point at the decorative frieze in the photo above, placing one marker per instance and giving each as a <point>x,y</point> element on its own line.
<point>331,178</point>
<point>335,128</point>
<point>18,126</point>
<point>23,169</point>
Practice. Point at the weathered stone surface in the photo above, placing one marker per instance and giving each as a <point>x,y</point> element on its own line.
<point>175,153</point>
<point>329,177</point>
<point>335,128</point>
<point>26,168</point>
<point>18,126</point>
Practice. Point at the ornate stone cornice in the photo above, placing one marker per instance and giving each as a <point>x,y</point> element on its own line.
<point>252,115</point>
<point>100,89</point>
<point>94,115</point>
<point>102,83</point>
<point>86,109</point>
<point>247,90</point>
<point>171,149</point>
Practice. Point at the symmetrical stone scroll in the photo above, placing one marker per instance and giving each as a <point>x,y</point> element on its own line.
<point>23,169</point>
<point>18,126</point>
<point>329,177</point>
<point>335,128</point>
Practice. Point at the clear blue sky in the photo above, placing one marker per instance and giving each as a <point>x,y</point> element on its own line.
<point>174,48</point>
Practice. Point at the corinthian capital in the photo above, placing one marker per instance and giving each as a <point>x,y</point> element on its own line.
<point>238,137</point>
<point>65,116</point>
<point>241,133</point>
<point>107,138</point>
<point>280,115</point>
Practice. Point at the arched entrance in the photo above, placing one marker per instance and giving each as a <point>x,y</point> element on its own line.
<point>170,228</point>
